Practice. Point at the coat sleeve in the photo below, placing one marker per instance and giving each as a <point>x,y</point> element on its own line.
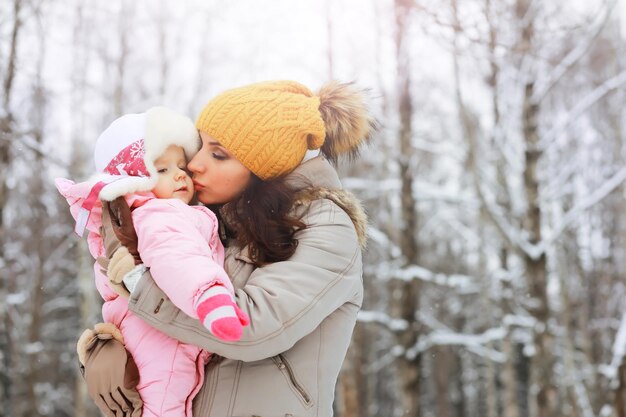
<point>284,300</point>
<point>178,255</point>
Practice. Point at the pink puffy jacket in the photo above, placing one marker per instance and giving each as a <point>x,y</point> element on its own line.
<point>180,244</point>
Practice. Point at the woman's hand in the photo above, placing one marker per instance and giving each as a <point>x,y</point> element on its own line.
<point>109,371</point>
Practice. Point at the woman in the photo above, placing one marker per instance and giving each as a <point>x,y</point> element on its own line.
<point>293,254</point>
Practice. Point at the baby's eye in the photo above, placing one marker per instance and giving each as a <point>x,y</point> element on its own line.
<point>162,170</point>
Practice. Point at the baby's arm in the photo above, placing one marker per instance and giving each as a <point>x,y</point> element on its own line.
<point>183,266</point>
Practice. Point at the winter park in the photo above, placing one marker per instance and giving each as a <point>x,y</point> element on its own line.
<point>350,208</point>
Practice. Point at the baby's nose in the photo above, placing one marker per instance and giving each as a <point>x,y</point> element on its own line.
<point>181,173</point>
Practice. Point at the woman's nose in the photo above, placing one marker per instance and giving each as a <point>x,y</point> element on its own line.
<point>194,165</point>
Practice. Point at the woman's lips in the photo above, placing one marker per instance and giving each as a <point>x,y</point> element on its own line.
<point>197,185</point>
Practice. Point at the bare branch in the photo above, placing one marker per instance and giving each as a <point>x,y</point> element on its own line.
<point>583,105</point>
<point>10,70</point>
<point>378,317</point>
<point>573,57</point>
<point>607,188</point>
<point>508,232</point>
<point>34,146</point>
<point>474,343</point>
<point>467,284</point>
<point>534,251</point>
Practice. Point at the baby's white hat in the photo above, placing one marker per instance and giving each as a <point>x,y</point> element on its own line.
<point>125,152</point>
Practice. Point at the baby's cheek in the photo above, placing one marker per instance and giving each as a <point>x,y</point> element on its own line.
<point>194,199</point>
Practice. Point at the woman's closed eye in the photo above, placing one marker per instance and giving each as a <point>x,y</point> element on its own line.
<point>219,156</point>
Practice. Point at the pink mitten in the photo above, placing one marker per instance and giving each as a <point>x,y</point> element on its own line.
<point>220,314</point>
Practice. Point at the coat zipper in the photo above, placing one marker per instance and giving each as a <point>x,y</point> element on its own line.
<point>283,365</point>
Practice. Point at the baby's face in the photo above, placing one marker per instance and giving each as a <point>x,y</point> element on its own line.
<point>173,180</point>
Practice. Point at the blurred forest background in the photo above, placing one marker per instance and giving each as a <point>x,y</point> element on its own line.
<point>495,273</point>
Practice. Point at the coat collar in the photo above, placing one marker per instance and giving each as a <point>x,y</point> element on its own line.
<point>316,172</point>
<point>317,179</point>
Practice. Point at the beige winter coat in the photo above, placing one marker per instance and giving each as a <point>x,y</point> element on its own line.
<point>302,313</point>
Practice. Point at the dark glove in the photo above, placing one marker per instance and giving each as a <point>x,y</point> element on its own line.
<point>120,240</point>
<point>122,225</point>
<point>109,371</point>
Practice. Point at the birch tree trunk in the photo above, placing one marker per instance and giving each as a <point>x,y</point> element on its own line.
<point>6,137</point>
<point>39,217</point>
<point>536,272</point>
<point>350,402</point>
<point>469,129</point>
<point>620,392</point>
<point>406,297</point>
<point>510,400</point>
<point>441,373</point>
<point>543,361</point>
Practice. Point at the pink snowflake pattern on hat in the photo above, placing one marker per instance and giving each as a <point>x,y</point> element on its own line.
<point>130,161</point>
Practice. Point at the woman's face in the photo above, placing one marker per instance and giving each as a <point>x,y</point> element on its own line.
<point>217,176</point>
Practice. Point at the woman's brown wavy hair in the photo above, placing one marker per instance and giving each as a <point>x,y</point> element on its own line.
<point>261,217</point>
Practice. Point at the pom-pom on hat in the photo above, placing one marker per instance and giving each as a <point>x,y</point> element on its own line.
<point>125,152</point>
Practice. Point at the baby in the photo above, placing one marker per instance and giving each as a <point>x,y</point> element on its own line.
<point>143,157</point>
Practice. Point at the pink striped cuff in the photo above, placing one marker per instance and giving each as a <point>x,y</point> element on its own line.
<point>206,306</point>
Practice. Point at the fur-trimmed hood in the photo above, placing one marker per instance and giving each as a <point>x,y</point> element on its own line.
<point>317,179</point>
<point>346,201</point>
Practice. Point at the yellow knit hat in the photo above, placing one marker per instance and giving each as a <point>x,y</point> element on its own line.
<point>267,126</point>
